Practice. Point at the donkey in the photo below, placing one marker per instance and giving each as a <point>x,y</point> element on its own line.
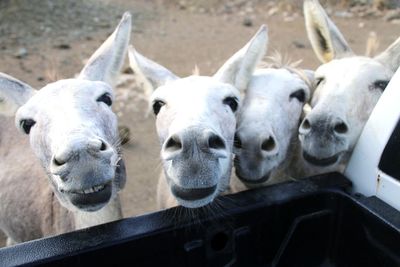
<point>196,121</point>
<point>347,88</point>
<point>73,135</point>
<point>266,135</point>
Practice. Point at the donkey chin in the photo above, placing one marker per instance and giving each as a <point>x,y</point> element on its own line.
<point>193,195</point>
<point>252,174</point>
<point>325,158</point>
<point>89,190</point>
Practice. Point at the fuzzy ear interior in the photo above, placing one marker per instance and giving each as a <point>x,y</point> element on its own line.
<point>391,56</point>
<point>13,94</point>
<point>105,64</point>
<point>239,68</point>
<point>326,40</point>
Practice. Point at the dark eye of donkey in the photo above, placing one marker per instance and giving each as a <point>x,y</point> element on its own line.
<point>157,105</point>
<point>232,102</point>
<point>105,98</point>
<point>299,95</point>
<point>26,125</point>
<point>380,84</point>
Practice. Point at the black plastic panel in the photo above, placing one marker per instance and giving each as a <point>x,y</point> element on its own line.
<point>390,159</point>
<point>313,222</point>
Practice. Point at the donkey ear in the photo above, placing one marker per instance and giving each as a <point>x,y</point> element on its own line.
<point>239,68</point>
<point>13,94</point>
<point>391,56</point>
<point>151,74</point>
<point>326,40</point>
<point>105,64</point>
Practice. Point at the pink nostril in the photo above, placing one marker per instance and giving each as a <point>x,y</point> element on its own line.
<point>268,144</point>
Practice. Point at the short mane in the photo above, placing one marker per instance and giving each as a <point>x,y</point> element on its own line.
<point>279,61</point>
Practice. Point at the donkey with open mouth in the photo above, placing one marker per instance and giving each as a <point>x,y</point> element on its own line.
<point>196,121</point>
<point>74,142</point>
<point>347,87</point>
<point>266,138</point>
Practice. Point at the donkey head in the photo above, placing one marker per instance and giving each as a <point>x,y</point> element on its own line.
<point>196,121</point>
<point>72,128</point>
<point>268,122</point>
<point>347,89</point>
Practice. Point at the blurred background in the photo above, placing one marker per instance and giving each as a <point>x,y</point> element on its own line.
<point>45,40</point>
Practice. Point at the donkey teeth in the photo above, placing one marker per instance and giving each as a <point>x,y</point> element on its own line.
<point>92,190</point>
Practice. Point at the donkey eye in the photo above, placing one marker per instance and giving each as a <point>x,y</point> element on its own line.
<point>232,102</point>
<point>26,125</point>
<point>318,81</point>
<point>105,98</point>
<point>381,85</point>
<point>299,94</point>
<point>157,105</point>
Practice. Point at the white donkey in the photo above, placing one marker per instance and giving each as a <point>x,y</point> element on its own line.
<point>266,136</point>
<point>73,134</point>
<point>196,121</point>
<point>347,89</point>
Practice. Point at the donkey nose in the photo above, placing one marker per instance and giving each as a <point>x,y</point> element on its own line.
<point>74,149</point>
<point>185,141</point>
<point>323,124</point>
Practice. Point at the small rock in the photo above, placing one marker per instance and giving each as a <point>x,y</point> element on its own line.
<point>288,18</point>
<point>298,44</point>
<point>182,4</point>
<point>40,79</point>
<point>343,14</point>
<point>63,46</point>
<point>21,53</point>
<point>392,15</point>
<point>248,22</point>
<point>273,11</point>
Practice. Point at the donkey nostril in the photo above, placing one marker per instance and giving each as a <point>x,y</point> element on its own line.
<point>306,125</point>
<point>58,162</point>
<point>341,128</point>
<point>269,144</point>
<point>216,142</point>
<point>173,143</point>
<point>237,142</point>
<point>103,146</point>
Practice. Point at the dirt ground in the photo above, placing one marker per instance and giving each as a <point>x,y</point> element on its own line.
<point>54,43</point>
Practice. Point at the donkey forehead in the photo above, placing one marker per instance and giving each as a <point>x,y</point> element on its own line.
<point>66,93</point>
<point>275,81</point>
<point>354,69</point>
<point>348,78</point>
<point>194,88</point>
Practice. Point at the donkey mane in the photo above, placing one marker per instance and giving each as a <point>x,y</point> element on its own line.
<point>280,61</point>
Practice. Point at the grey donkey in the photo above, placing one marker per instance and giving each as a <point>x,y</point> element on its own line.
<point>70,176</point>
